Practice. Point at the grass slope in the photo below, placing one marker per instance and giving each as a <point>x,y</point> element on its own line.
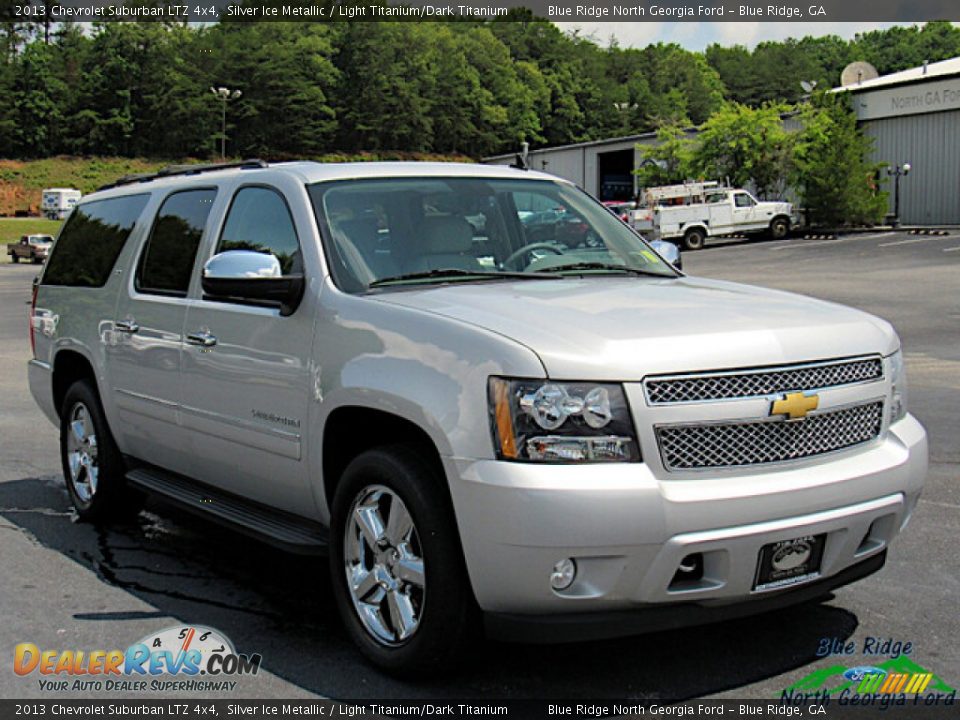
<point>21,181</point>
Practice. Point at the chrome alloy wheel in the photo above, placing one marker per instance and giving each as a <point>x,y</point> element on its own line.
<point>82,453</point>
<point>383,560</point>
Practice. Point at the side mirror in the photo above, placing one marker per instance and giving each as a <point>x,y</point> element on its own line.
<point>248,276</point>
<point>669,252</point>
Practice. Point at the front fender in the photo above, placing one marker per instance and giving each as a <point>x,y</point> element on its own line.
<point>420,366</point>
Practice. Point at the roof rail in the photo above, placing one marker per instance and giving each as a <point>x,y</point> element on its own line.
<point>172,170</point>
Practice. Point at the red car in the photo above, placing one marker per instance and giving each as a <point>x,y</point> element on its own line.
<point>620,208</point>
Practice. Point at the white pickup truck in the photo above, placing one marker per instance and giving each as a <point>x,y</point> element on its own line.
<point>723,212</point>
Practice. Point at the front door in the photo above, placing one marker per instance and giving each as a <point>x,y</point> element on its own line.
<point>246,374</point>
<point>744,209</point>
<point>143,356</point>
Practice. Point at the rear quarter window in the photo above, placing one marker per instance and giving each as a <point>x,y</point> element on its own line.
<point>92,240</point>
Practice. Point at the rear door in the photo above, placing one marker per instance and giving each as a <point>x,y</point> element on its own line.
<point>247,379</point>
<point>144,356</point>
<point>720,208</point>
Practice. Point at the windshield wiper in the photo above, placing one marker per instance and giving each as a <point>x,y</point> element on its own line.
<point>460,273</point>
<point>604,266</point>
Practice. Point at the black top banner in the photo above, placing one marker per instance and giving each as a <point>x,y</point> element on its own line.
<point>618,11</point>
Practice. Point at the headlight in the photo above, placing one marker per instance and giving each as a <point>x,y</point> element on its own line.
<point>898,393</point>
<point>547,421</point>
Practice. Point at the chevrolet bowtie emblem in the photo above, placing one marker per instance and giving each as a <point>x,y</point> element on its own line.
<point>795,405</point>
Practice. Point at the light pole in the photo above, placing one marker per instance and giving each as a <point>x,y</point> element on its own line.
<point>224,95</point>
<point>897,172</point>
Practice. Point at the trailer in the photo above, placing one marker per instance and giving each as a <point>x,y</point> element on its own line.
<point>57,203</point>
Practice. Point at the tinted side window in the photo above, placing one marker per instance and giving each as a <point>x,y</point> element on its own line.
<point>167,259</point>
<point>91,241</point>
<point>260,220</point>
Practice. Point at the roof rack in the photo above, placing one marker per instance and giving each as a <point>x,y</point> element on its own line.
<point>172,170</point>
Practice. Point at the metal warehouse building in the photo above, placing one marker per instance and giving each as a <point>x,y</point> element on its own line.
<point>604,168</point>
<point>913,117</point>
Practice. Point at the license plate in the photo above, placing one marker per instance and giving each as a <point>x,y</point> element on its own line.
<point>789,562</point>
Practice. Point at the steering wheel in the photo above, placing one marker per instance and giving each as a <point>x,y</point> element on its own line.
<point>517,254</point>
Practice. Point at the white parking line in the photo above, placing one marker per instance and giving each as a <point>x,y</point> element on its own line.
<point>810,243</point>
<point>874,236</point>
<point>951,249</point>
<point>910,241</point>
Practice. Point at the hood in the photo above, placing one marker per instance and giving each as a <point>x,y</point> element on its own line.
<point>774,203</point>
<point>622,329</point>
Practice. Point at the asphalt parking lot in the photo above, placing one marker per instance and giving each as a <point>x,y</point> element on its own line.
<point>70,585</point>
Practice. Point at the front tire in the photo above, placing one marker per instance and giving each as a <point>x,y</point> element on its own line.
<point>396,564</point>
<point>779,228</point>
<point>694,239</point>
<point>92,465</point>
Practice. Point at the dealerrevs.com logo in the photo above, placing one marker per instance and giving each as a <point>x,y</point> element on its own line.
<point>179,658</point>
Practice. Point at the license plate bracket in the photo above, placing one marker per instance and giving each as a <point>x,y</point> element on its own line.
<point>789,562</point>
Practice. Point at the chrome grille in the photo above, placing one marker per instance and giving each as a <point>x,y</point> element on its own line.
<point>718,445</point>
<point>762,382</point>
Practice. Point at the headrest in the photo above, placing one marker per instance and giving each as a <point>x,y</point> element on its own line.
<point>446,234</point>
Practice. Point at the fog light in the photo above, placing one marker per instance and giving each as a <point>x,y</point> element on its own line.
<point>563,575</point>
<point>690,570</point>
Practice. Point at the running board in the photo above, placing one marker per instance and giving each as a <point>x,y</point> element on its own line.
<point>290,532</point>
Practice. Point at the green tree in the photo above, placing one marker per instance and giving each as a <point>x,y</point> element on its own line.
<point>898,48</point>
<point>837,181</point>
<point>35,120</point>
<point>383,94</point>
<point>667,162</point>
<point>746,146</point>
<point>286,74</point>
<point>512,94</point>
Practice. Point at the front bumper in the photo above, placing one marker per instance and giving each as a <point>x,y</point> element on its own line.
<point>578,627</point>
<point>628,530</point>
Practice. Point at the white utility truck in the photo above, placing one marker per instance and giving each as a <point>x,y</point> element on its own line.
<point>691,212</point>
<point>56,203</point>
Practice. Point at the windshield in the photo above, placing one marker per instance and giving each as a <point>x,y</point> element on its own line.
<point>419,230</point>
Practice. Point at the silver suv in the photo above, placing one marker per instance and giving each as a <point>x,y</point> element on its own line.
<point>488,400</point>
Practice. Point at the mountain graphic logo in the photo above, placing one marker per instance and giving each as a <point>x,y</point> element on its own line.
<point>899,675</point>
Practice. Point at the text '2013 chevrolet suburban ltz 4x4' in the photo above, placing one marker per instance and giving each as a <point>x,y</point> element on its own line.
<point>486,419</point>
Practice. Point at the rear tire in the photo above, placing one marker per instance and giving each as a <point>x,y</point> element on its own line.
<point>694,239</point>
<point>396,565</point>
<point>93,468</point>
<point>14,258</point>
<point>779,228</point>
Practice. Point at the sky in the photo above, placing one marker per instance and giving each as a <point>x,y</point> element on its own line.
<point>698,35</point>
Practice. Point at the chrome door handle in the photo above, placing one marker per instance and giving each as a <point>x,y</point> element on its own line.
<point>126,326</point>
<point>203,339</point>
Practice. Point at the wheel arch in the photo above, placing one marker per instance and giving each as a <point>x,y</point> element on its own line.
<point>696,226</point>
<point>352,429</point>
<point>68,367</point>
